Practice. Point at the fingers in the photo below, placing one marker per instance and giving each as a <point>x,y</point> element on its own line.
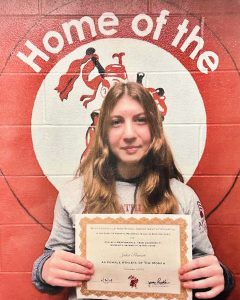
<point>198,263</point>
<point>66,283</point>
<point>68,256</point>
<point>203,273</point>
<point>67,278</point>
<point>210,271</point>
<point>72,267</point>
<point>66,269</point>
<point>209,294</point>
<point>203,283</point>
<point>71,262</point>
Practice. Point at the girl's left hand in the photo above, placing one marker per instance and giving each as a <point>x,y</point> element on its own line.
<point>206,273</point>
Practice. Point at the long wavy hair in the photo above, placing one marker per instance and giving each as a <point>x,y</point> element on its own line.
<point>98,169</point>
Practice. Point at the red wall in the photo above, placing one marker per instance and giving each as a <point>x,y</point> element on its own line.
<point>21,237</point>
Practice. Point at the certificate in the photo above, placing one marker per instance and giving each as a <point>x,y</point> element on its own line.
<point>134,256</point>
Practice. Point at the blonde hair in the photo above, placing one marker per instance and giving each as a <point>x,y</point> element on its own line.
<point>99,167</point>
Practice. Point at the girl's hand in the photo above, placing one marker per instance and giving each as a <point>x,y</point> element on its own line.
<point>206,273</point>
<point>66,269</point>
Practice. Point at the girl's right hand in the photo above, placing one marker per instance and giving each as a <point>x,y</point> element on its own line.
<point>66,269</point>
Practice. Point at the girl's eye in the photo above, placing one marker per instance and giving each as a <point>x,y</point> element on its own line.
<point>115,122</point>
<point>141,120</point>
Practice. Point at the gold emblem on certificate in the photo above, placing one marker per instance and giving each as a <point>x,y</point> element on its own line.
<point>134,256</point>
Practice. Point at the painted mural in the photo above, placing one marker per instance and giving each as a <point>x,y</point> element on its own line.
<point>58,62</point>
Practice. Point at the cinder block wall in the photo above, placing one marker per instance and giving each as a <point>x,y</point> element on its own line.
<point>27,196</point>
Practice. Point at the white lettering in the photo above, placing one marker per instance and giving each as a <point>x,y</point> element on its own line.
<point>107,20</point>
<point>78,24</point>
<point>193,38</point>
<point>55,35</point>
<point>205,57</point>
<point>182,29</point>
<point>29,60</point>
<point>54,42</point>
<point>139,18</point>
<point>161,20</point>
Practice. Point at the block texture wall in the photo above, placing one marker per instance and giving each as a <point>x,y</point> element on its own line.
<point>42,138</point>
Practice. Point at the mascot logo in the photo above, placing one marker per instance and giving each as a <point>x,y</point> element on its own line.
<point>71,95</point>
<point>107,76</point>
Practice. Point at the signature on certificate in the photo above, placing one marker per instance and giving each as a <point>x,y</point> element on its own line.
<point>106,280</point>
<point>133,254</point>
<point>158,282</point>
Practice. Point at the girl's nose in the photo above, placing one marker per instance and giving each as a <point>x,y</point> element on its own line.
<point>129,131</point>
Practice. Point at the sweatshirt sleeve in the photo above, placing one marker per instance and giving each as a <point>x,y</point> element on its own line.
<point>229,281</point>
<point>200,240</point>
<point>201,243</point>
<point>189,204</point>
<point>37,280</point>
<point>61,237</point>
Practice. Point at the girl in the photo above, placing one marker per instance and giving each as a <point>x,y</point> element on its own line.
<point>130,169</point>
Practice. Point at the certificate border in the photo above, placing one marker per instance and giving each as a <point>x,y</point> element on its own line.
<point>154,221</point>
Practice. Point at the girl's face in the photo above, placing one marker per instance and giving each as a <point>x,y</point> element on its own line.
<point>129,135</point>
